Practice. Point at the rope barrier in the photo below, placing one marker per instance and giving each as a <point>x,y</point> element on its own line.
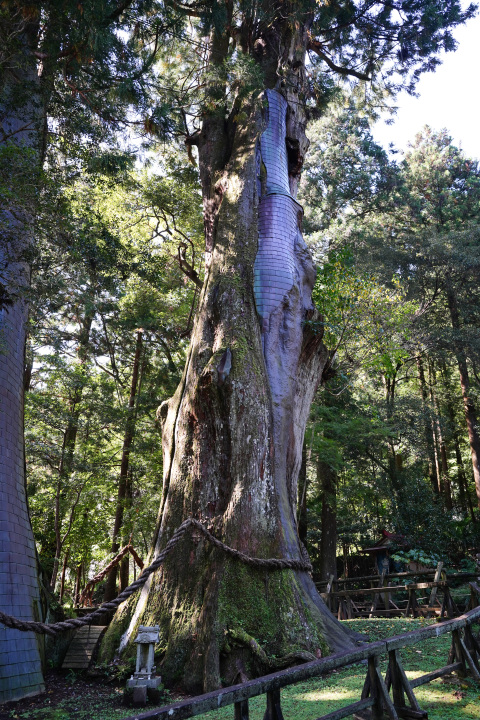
<point>72,623</point>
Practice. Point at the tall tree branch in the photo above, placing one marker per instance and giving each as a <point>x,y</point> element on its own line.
<point>316,47</point>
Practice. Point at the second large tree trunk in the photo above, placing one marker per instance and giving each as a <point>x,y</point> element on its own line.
<point>233,432</point>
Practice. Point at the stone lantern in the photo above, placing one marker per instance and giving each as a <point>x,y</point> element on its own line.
<point>143,681</point>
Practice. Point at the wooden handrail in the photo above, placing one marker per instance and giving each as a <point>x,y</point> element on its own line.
<point>389,588</point>
<point>348,604</point>
<point>410,573</point>
<point>376,689</point>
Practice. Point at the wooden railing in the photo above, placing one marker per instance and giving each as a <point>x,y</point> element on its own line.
<point>350,603</point>
<point>361,580</point>
<point>392,695</point>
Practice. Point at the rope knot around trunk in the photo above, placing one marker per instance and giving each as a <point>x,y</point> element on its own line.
<point>73,623</point>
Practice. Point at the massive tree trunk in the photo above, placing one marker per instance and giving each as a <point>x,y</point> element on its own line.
<point>20,131</point>
<point>233,432</point>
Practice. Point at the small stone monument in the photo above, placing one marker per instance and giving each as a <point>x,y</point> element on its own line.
<point>143,682</point>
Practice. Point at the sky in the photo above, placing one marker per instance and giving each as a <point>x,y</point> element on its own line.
<point>448,98</point>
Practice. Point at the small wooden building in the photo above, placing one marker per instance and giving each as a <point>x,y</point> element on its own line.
<point>386,546</point>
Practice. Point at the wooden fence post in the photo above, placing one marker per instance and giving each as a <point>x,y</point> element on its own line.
<point>241,710</point>
<point>473,645</point>
<point>342,609</point>
<point>433,593</point>
<point>474,595</point>
<point>400,685</point>
<point>448,605</point>
<point>379,692</point>
<point>329,591</point>
<point>458,653</point>
<point>349,608</point>
<point>386,601</point>
<point>412,603</point>
<point>274,709</point>
<point>468,658</point>
<point>377,595</point>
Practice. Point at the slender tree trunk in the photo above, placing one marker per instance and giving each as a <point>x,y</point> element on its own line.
<point>435,438</point>
<point>124,492</point>
<point>65,467</point>
<point>394,460</point>
<point>21,133</point>
<point>327,480</point>
<point>64,570</point>
<point>233,432</point>
<point>432,474</point>
<point>125,563</point>
<point>465,496</point>
<point>468,402</point>
<point>78,583</point>
<point>445,486</point>
<point>463,489</point>
<point>127,530</point>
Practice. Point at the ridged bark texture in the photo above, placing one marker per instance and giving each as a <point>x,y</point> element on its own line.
<point>20,666</point>
<point>20,656</point>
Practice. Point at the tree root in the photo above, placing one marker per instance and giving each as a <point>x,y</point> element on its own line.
<point>241,637</point>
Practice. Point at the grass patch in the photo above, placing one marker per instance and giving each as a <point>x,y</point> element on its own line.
<point>443,699</point>
<point>73,698</point>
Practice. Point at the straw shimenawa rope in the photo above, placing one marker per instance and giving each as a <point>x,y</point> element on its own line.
<point>72,623</point>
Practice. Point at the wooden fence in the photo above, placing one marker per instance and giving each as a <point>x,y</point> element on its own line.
<point>382,599</point>
<point>360,581</point>
<point>392,696</point>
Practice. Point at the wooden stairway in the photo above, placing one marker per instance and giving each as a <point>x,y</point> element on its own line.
<point>80,650</point>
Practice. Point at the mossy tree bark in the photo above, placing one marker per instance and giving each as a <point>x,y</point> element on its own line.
<point>233,432</point>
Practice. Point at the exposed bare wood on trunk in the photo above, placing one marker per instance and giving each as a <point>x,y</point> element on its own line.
<point>302,523</point>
